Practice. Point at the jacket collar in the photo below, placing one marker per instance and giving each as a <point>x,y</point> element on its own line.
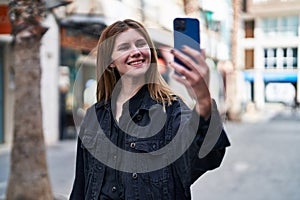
<point>141,100</point>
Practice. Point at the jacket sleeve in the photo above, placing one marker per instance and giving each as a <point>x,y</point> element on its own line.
<point>78,189</point>
<point>207,149</point>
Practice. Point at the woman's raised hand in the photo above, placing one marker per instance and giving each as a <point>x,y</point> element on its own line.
<point>195,79</point>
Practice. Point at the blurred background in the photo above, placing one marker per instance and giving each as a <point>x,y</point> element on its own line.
<point>251,48</point>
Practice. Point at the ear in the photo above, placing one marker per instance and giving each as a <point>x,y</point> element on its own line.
<point>112,65</point>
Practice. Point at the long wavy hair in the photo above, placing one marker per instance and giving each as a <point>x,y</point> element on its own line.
<point>108,77</point>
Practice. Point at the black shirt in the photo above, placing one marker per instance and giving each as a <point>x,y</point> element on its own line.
<point>112,184</point>
<point>113,187</point>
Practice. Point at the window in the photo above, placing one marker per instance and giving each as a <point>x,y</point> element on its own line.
<point>270,58</point>
<point>249,29</point>
<point>284,26</point>
<point>291,26</point>
<point>244,6</point>
<point>249,59</point>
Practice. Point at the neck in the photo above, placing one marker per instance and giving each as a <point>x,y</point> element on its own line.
<point>130,87</point>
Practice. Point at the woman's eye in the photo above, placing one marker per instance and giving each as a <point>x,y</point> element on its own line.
<point>141,43</point>
<point>123,47</point>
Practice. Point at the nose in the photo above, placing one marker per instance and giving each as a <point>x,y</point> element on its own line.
<point>135,52</point>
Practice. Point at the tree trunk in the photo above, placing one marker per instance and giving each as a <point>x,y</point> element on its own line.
<point>192,8</point>
<point>236,6</point>
<point>28,178</point>
<point>232,98</point>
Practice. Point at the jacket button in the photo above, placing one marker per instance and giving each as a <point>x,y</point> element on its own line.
<point>132,144</point>
<point>113,189</point>
<point>154,146</point>
<point>134,175</point>
<point>139,117</point>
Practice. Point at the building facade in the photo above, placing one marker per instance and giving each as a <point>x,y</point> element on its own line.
<point>67,58</point>
<point>270,49</point>
<point>157,16</point>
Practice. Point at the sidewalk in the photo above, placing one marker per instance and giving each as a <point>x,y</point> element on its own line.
<point>61,166</point>
<point>253,115</point>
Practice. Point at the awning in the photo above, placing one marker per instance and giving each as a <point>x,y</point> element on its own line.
<point>51,4</point>
<point>280,76</point>
<point>88,24</point>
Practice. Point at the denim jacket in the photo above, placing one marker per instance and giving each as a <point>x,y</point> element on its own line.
<point>171,180</point>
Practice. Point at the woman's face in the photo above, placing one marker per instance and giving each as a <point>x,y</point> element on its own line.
<point>131,54</point>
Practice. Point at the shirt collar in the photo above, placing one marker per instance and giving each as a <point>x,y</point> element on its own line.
<point>141,100</point>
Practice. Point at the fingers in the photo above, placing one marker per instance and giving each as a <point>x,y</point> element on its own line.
<point>192,52</point>
<point>199,56</point>
<point>196,78</point>
<point>194,60</point>
<point>188,74</point>
<point>186,83</point>
<point>197,63</point>
<point>186,60</point>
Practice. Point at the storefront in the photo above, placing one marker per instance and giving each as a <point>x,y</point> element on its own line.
<point>79,36</point>
<point>279,85</point>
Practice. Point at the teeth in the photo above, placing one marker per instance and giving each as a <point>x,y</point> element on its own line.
<point>136,62</point>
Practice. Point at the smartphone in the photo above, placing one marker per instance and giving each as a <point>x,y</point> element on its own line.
<point>186,32</point>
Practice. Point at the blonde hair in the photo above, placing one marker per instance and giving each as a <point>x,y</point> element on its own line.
<point>108,77</point>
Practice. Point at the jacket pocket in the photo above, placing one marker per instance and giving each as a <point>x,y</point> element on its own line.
<point>146,146</point>
<point>89,140</point>
<point>89,145</point>
<point>154,180</point>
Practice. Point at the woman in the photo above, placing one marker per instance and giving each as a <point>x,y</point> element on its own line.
<point>140,141</point>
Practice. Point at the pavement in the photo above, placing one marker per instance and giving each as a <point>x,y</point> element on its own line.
<point>263,162</point>
<point>254,115</point>
<point>61,167</point>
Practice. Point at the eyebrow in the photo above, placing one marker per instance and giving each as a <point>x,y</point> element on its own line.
<point>141,40</point>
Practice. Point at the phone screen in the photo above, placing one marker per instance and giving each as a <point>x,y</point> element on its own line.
<point>186,32</point>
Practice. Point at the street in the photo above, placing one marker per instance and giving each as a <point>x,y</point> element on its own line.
<point>262,163</point>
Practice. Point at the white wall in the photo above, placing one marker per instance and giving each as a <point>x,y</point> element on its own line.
<point>49,82</point>
<point>117,10</point>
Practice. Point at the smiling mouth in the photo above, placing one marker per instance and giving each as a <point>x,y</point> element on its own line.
<point>136,62</point>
